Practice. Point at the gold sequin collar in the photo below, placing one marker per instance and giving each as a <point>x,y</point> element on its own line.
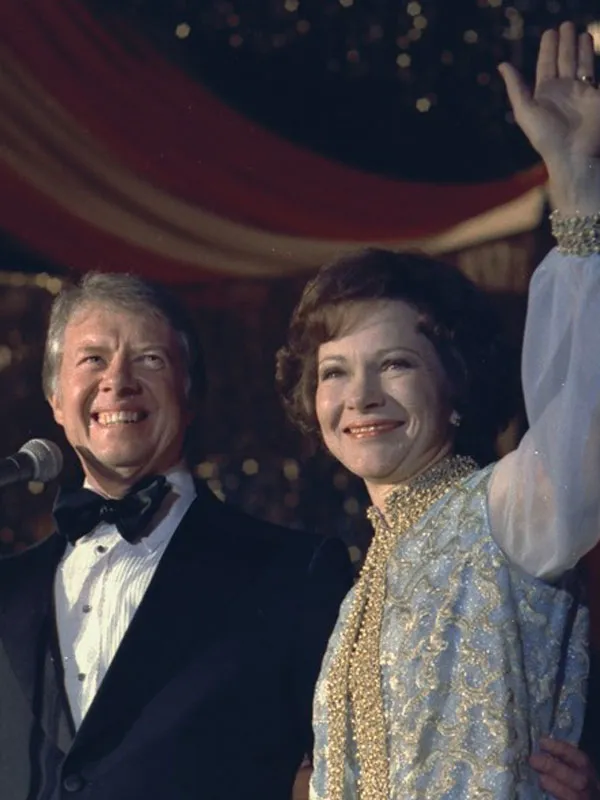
<point>444,473</point>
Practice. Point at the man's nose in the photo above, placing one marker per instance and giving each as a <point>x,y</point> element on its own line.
<point>119,377</point>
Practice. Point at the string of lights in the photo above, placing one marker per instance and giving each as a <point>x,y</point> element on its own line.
<point>407,89</point>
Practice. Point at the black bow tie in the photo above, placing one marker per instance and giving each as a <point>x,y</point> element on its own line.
<point>78,512</point>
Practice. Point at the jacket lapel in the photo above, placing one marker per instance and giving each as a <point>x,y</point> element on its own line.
<point>196,587</point>
<point>28,634</point>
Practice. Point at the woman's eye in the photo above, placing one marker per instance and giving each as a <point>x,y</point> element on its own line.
<point>331,372</point>
<point>397,364</point>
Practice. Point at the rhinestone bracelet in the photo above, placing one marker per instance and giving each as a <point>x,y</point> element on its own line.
<point>578,235</point>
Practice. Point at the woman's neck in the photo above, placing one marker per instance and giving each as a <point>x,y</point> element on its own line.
<point>379,492</point>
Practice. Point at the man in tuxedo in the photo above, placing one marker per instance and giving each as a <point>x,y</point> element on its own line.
<point>159,644</point>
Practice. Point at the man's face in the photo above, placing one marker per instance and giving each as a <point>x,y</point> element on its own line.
<point>120,395</point>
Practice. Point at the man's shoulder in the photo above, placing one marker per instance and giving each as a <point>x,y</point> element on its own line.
<point>262,533</point>
<point>32,554</point>
<point>287,559</point>
<point>30,567</point>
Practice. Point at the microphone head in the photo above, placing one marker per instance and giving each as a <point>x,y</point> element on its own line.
<point>47,459</point>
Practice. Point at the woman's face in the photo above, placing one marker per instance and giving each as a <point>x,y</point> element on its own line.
<point>382,396</point>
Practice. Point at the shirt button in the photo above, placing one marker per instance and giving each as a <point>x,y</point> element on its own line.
<point>86,609</point>
<point>73,783</point>
<point>101,549</point>
<point>81,676</point>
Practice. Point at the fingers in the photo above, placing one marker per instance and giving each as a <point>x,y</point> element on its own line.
<point>586,60</point>
<point>568,753</point>
<point>563,54</point>
<point>558,790</point>
<point>518,93</point>
<point>567,51</point>
<point>546,68</point>
<point>565,772</point>
<point>555,770</point>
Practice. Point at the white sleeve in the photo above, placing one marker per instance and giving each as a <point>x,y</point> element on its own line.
<point>544,498</point>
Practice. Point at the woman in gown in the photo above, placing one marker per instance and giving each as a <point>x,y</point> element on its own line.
<point>463,642</point>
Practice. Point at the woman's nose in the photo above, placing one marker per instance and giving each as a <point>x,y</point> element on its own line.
<point>365,392</point>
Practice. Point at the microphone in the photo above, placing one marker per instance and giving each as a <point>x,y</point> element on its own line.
<point>38,460</point>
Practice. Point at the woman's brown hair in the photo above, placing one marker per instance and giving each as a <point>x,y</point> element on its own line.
<point>456,316</point>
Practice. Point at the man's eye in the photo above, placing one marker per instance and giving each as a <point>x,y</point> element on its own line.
<point>153,360</point>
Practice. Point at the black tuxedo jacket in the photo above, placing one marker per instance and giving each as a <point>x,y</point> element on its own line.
<point>209,695</point>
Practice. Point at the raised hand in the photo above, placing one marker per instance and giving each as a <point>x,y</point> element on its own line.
<point>561,117</point>
<point>563,113</point>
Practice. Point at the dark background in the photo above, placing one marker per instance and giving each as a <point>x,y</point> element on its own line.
<point>403,89</point>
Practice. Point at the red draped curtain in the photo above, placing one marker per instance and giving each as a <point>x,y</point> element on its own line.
<point>111,157</point>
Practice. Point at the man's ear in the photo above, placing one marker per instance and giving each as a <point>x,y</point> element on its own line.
<point>56,407</point>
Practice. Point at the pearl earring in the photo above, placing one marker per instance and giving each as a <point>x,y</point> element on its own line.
<point>455,419</point>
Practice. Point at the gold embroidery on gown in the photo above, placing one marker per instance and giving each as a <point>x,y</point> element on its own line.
<point>355,669</point>
<point>475,660</point>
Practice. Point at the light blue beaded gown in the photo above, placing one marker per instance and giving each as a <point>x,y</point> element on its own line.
<point>483,647</point>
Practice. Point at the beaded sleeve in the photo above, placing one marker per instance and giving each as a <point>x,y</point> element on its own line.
<point>576,236</point>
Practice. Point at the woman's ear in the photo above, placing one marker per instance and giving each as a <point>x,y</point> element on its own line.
<point>455,419</point>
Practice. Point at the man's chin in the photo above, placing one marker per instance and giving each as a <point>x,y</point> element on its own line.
<point>114,465</point>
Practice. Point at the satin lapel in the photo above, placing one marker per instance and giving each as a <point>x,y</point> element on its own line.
<point>193,592</point>
<point>56,717</point>
<point>28,633</point>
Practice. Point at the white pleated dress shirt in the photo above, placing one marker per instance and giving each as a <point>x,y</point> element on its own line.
<point>98,587</point>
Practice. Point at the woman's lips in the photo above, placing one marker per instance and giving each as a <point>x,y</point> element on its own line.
<point>371,429</point>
